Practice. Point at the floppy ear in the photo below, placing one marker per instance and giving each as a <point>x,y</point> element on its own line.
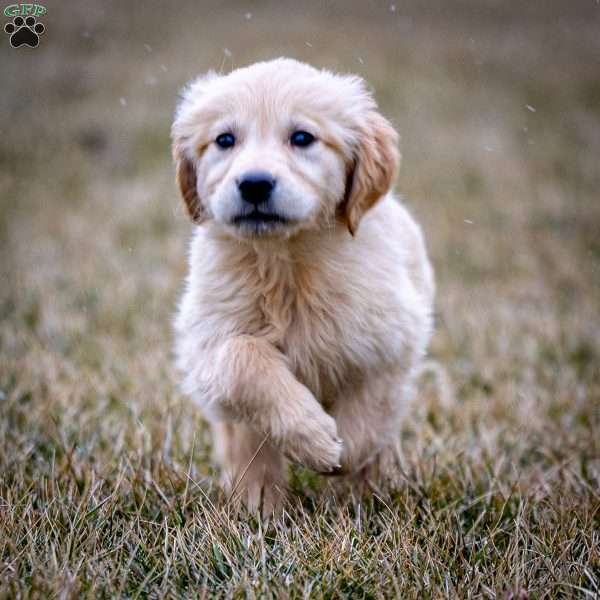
<point>181,132</point>
<point>375,166</point>
<point>185,176</point>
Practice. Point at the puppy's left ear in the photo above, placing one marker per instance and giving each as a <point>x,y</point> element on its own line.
<point>375,166</point>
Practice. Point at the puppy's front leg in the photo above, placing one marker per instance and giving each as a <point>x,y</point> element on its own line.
<point>369,420</point>
<point>248,380</point>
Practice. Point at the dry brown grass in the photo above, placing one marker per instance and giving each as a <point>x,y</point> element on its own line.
<point>105,485</point>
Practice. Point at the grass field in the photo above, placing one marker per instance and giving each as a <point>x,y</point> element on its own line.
<point>105,476</point>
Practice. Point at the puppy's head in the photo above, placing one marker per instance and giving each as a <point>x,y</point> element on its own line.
<point>279,147</point>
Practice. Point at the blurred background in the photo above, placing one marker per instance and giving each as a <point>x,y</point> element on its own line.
<point>498,107</point>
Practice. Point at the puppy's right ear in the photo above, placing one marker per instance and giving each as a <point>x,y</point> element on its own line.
<point>185,176</point>
<point>187,123</point>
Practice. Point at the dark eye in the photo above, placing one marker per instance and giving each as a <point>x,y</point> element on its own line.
<point>225,140</point>
<point>302,139</point>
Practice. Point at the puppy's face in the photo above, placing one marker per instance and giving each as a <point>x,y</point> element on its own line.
<point>279,147</point>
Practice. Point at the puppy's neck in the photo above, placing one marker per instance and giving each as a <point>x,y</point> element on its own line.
<point>296,252</point>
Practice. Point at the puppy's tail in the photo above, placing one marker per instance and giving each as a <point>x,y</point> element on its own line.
<point>441,380</point>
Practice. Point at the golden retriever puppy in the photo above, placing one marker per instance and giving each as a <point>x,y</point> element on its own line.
<point>308,304</point>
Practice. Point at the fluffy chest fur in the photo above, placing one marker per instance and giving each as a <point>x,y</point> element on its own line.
<point>337,307</point>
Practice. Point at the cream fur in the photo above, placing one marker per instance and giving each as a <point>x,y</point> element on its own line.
<point>299,342</point>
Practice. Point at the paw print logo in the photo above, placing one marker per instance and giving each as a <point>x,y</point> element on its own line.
<point>24,32</point>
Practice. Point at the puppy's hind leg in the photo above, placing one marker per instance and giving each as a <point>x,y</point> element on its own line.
<point>252,469</point>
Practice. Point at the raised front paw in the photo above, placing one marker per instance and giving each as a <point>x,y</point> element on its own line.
<point>311,440</point>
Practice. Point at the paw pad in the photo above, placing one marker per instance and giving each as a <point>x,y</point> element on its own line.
<point>24,32</point>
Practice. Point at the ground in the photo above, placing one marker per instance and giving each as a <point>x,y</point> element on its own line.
<point>105,476</point>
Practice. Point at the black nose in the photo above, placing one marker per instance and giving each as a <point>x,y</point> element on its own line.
<point>256,187</point>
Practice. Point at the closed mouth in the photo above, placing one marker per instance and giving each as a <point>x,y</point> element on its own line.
<point>259,218</point>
